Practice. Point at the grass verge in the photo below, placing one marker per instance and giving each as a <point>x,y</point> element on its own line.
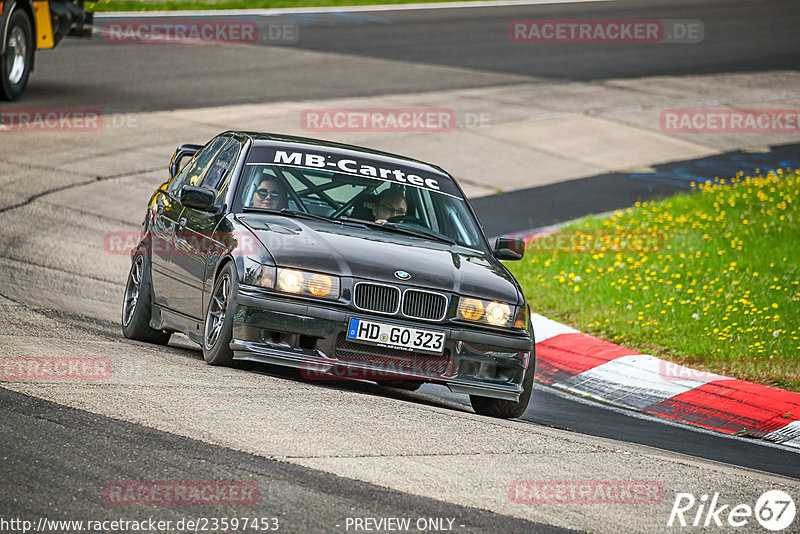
<point>174,5</point>
<point>708,279</point>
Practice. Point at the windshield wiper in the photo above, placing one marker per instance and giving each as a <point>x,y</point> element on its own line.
<point>420,233</point>
<point>394,227</point>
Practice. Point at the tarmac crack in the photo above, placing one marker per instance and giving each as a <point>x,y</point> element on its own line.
<point>104,218</point>
<point>60,270</point>
<point>93,180</point>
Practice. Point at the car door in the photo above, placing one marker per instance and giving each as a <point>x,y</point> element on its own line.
<point>167,227</point>
<point>198,236</point>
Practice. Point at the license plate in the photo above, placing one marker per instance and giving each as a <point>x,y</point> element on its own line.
<point>396,337</point>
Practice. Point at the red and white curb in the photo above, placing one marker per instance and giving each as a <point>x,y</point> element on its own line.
<point>585,365</point>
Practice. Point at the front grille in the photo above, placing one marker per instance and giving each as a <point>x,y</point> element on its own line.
<point>424,305</point>
<point>376,298</point>
<point>390,361</point>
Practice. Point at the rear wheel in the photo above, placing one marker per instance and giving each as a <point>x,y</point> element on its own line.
<point>219,318</point>
<point>136,306</point>
<point>502,408</point>
<point>16,62</point>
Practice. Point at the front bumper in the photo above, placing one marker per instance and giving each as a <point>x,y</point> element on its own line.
<point>311,337</point>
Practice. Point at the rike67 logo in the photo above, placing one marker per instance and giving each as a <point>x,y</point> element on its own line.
<point>774,510</point>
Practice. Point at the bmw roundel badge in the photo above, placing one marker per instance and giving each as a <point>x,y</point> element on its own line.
<point>402,275</point>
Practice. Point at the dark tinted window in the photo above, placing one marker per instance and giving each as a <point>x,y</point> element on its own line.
<point>220,169</point>
<point>192,173</point>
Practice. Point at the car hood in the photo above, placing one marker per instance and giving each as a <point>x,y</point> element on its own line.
<point>373,254</point>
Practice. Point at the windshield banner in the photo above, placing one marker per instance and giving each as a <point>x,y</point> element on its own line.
<point>352,165</point>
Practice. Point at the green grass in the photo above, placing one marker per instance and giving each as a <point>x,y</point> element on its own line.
<point>172,5</point>
<point>708,279</point>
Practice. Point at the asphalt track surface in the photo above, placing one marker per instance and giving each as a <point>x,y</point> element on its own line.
<point>48,476</point>
<point>38,437</point>
<point>739,36</point>
<point>537,207</point>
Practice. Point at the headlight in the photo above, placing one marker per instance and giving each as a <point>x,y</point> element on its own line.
<point>310,284</point>
<point>291,280</point>
<point>485,311</point>
<point>497,313</point>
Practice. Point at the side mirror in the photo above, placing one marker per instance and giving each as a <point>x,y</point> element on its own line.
<point>181,152</point>
<point>201,198</point>
<point>509,248</point>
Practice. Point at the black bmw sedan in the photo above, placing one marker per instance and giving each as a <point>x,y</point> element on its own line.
<point>338,260</point>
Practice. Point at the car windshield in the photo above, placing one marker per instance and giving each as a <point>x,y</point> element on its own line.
<point>386,198</point>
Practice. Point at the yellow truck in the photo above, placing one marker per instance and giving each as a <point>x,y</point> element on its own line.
<point>30,25</point>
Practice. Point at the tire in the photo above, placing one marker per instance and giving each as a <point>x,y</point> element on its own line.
<point>136,305</point>
<point>504,409</point>
<point>16,62</point>
<point>408,385</point>
<point>218,326</point>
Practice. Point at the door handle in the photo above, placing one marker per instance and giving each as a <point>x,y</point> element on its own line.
<point>182,222</point>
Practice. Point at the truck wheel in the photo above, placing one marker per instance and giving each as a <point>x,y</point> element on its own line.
<point>15,63</point>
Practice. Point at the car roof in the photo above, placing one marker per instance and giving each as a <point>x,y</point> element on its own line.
<point>270,139</point>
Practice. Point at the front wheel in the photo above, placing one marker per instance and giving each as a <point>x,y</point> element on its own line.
<point>219,318</point>
<point>502,408</point>
<point>16,62</point>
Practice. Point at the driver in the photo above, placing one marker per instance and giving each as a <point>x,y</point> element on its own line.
<point>390,203</point>
<point>269,194</point>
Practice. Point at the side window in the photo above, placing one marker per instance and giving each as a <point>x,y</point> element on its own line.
<point>222,165</point>
<point>193,170</point>
<point>219,175</point>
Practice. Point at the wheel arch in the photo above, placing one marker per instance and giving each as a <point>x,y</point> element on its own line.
<point>212,280</point>
<point>221,265</point>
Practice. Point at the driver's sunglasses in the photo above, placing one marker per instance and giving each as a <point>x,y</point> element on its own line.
<point>263,194</point>
<point>391,209</point>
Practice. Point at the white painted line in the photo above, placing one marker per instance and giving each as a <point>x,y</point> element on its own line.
<point>544,328</point>
<point>634,381</point>
<point>271,12</point>
<point>788,435</point>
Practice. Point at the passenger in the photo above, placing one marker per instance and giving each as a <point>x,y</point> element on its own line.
<point>390,203</point>
<point>269,194</point>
